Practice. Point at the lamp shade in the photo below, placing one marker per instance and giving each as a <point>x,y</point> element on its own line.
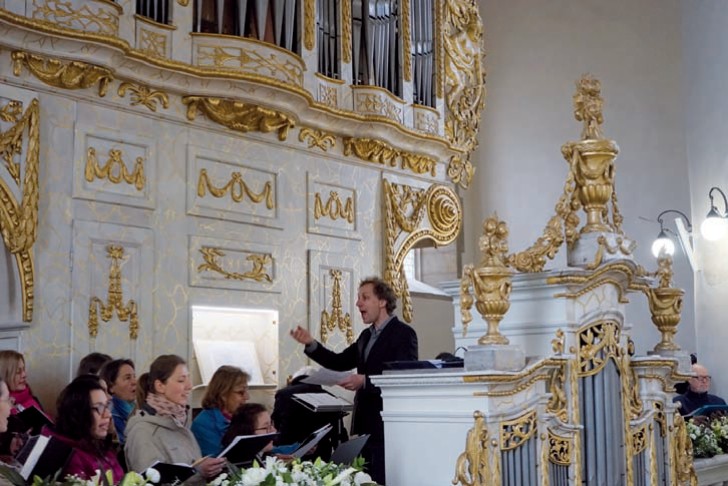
<point>714,227</point>
<point>663,244</point>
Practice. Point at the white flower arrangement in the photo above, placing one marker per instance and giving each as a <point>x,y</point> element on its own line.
<point>275,472</point>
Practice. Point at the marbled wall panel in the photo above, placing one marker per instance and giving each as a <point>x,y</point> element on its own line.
<point>113,166</point>
<point>332,208</point>
<point>94,268</point>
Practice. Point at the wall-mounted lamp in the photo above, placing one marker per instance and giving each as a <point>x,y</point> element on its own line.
<point>684,231</point>
<point>715,225</point>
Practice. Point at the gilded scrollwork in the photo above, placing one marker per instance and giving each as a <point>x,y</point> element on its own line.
<point>85,18</point>
<point>271,66</point>
<point>597,343</point>
<point>237,188</point>
<point>143,95</point>
<point>472,466</point>
<point>460,171</point>
<point>514,433</point>
<point>114,300</point>
<point>114,169</point>
<point>378,152</point>
<point>375,104</point>
<point>259,272</point>
<point>346,30</point>
<point>558,403</point>
<point>309,24</point>
<point>640,440</point>
<point>337,318</point>
<point>19,218</point>
<point>334,208</point>
<point>62,74</point>
<point>405,209</point>
<point>153,43</point>
<point>317,138</point>
<point>559,449</point>
<point>239,116</point>
<point>557,343</point>
<point>682,453</point>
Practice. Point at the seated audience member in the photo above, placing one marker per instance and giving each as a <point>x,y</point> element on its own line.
<point>6,403</point>
<point>92,363</point>
<point>12,371</point>
<point>295,422</point>
<point>158,430</point>
<point>120,378</point>
<point>697,395</point>
<point>83,421</point>
<point>226,392</point>
<point>250,419</point>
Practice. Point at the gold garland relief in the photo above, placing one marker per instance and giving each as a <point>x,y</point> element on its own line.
<point>336,319</point>
<point>143,95</point>
<point>114,170</point>
<point>378,152</point>
<point>19,219</point>
<point>238,189</point>
<point>258,273</point>
<point>239,116</point>
<point>334,208</point>
<point>62,74</point>
<point>317,138</point>
<point>114,300</point>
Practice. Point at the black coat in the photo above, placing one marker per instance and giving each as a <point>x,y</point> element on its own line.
<point>397,342</point>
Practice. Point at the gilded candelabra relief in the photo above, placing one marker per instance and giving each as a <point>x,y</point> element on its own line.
<point>237,188</point>
<point>334,208</point>
<point>317,138</point>
<point>114,299</point>
<point>665,304</point>
<point>62,74</point>
<point>405,210</point>
<point>337,318</point>
<point>378,152</point>
<point>472,467</point>
<point>239,116</point>
<point>490,280</point>
<point>258,273</point>
<point>143,95</point>
<point>19,218</point>
<point>114,169</point>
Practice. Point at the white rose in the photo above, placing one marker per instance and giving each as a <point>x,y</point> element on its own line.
<point>253,477</point>
<point>152,475</point>
<point>362,478</point>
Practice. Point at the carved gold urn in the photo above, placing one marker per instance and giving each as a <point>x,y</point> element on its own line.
<point>490,281</point>
<point>665,305</point>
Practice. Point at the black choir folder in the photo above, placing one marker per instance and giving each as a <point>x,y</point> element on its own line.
<point>244,448</point>
<point>173,473</point>
<point>43,457</point>
<point>31,419</point>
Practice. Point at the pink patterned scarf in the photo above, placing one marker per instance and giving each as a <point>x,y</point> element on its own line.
<point>167,408</point>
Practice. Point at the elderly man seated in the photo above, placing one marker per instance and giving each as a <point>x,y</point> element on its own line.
<point>697,394</point>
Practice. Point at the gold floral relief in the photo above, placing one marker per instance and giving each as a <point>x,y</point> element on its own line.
<point>597,343</point>
<point>317,138</point>
<point>334,208</point>
<point>259,272</point>
<point>114,170</point>
<point>405,209</point>
<point>514,433</point>
<point>473,464</point>
<point>559,450</point>
<point>336,319</point>
<point>240,116</point>
<point>238,189</point>
<point>246,59</point>
<point>114,300</point>
<point>328,95</point>
<point>460,171</point>
<point>143,95</point>
<point>153,43</point>
<point>84,19</point>
<point>19,218</point>
<point>62,74</point>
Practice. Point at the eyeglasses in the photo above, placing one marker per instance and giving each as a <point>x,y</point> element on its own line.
<point>267,428</point>
<point>101,408</point>
<point>703,378</point>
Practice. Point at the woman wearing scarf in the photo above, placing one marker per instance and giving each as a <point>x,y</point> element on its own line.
<point>159,431</point>
<point>121,380</point>
<point>12,371</point>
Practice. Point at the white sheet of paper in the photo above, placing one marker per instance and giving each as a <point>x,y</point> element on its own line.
<point>212,354</point>
<point>326,377</point>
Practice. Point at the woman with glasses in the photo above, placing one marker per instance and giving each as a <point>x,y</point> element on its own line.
<point>158,432</point>
<point>84,418</point>
<point>121,380</point>
<point>250,419</point>
<point>226,392</point>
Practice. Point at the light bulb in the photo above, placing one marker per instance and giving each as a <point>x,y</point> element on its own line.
<point>663,243</point>
<point>714,227</point>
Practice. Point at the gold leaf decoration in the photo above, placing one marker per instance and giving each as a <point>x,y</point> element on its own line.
<point>114,170</point>
<point>406,40</point>
<point>114,299</point>
<point>337,318</point>
<point>62,74</point>
<point>237,187</point>
<point>472,466</point>
<point>239,116</point>
<point>346,30</point>
<point>258,273</point>
<point>460,171</point>
<point>19,219</point>
<point>378,152</point>
<point>317,138</point>
<point>309,23</point>
<point>143,95</point>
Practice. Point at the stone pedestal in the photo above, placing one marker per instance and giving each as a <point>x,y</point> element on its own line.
<point>495,357</point>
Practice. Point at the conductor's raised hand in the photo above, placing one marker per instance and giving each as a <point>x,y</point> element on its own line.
<point>301,335</point>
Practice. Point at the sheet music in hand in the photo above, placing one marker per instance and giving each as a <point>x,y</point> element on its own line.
<point>312,440</point>
<point>244,448</point>
<point>323,402</point>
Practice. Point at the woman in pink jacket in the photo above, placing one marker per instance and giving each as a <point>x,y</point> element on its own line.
<point>84,417</point>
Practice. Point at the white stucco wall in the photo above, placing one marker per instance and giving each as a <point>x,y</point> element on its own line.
<point>705,103</point>
<point>536,50</point>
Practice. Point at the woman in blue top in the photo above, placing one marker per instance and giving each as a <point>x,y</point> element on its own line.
<point>121,381</point>
<point>226,392</point>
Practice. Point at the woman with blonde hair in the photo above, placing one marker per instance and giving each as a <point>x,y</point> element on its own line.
<point>226,392</point>
<point>12,371</point>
